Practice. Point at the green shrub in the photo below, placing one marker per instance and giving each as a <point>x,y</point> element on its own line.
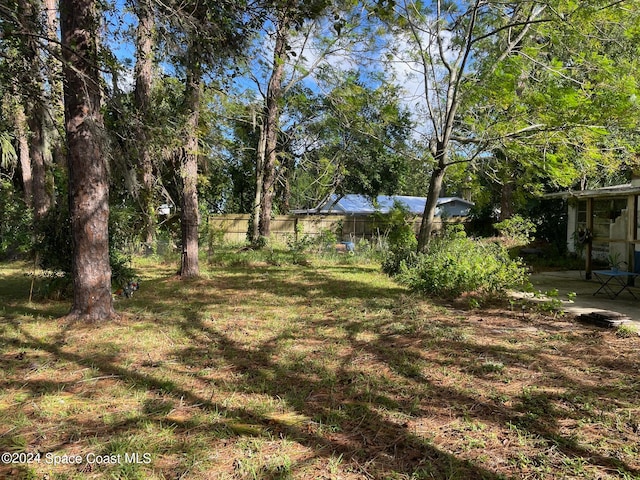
<point>328,237</point>
<point>260,243</point>
<point>15,222</point>
<point>517,228</point>
<point>401,239</point>
<point>53,245</point>
<point>369,250</point>
<point>299,244</point>
<point>395,261</point>
<point>123,241</point>
<point>456,264</point>
<point>54,249</point>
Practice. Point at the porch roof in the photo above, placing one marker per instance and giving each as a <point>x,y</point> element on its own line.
<point>604,192</point>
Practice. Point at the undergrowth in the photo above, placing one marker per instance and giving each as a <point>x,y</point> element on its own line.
<point>455,264</point>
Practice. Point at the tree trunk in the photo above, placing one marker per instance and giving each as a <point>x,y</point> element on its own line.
<point>428,216</point>
<point>23,154</point>
<point>189,171</point>
<point>55,103</point>
<point>38,153</point>
<point>142,96</point>
<point>35,107</point>
<point>285,188</point>
<point>52,20</point>
<point>435,187</point>
<point>506,198</point>
<point>88,179</point>
<point>272,119</point>
<point>257,201</point>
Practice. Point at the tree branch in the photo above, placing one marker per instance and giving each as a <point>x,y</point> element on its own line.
<point>511,25</point>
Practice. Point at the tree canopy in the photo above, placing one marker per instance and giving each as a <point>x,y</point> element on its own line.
<point>261,107</point>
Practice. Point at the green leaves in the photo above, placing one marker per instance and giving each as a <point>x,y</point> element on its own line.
<point>455,265</point>
<point>557,105</point>
<point>8,155</point>
<point>364,129</point>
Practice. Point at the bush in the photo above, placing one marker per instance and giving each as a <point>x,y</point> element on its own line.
<point>456,264</point>
<point>15,222</point>
<point>401,239</point>
<point>369,250</point>
<point>123,241</point>
<point>517,228</point>
<point>393,262</point>
<point>53,245</point>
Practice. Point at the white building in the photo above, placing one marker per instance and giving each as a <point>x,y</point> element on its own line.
<point>603,224</point>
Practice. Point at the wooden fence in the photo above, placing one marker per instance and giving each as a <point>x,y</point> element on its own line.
<point>232,228</point>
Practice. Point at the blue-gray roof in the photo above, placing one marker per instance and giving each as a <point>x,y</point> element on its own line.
<point>352,204</point>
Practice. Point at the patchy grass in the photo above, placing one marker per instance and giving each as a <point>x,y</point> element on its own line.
<point>325,370</point>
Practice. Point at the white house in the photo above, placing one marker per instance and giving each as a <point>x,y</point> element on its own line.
<point>603,223</point>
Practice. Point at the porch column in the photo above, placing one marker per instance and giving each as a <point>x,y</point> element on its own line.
<point>633,234</point>
<point>588,266</point>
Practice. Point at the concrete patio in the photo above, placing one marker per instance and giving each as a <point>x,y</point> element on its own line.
<point>584,301</point>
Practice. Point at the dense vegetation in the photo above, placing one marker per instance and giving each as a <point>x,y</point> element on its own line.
<point>261,107</point>
<point>124,124</point>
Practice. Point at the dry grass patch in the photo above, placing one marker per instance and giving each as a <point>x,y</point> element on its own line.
<point>324,371</point>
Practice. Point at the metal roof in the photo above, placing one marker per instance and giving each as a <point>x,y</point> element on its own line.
<point>353,204</point>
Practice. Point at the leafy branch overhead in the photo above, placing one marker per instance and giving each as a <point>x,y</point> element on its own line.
<point>502,76</point>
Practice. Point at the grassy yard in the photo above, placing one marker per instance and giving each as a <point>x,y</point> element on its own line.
<point>321,371</point>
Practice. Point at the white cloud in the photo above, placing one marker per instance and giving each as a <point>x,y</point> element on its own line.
<point>126,80</point>
<point>420,77</point>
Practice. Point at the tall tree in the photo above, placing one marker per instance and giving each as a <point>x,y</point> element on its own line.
<point>88,176</point>
<point>444,40</point>
<point>269,133</point>
<point>352,139</point>
<point>288,22</point>
<point>190,217</point>
<point>207,35</point>
<point>458,48</point>
<point>55,96</point>
<point>145,36</point>
<point>36,106</point>
<point>20,122</point>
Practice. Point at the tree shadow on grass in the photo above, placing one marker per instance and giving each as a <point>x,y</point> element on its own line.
<point>14,300</point>
<point>374,443</point>
<point>363,436</point>
<point>375,433</point>
<point>534,411</point>
<point>257,369</point>
<point>362,416</point>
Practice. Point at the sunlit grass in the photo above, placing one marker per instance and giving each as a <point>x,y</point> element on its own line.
<point>266,368</point>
